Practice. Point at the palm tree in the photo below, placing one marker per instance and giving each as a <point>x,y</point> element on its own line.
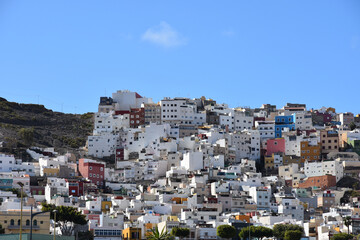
<point>157,235</point>
<point>347,222</point>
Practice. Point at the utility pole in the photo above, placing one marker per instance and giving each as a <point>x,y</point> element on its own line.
<point>55,211</point>
<point>21,208</point>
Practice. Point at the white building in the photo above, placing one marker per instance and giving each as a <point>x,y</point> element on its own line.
<point>303,121</point>
<point>103,144</point>
<point>266,129</point>
<point>261,196</point>
<point>334,168</point>
<point>125,100</point>
<point>291,206</point>
<point>193,161</point>
<point>242,122</point>
<point>108,122</point>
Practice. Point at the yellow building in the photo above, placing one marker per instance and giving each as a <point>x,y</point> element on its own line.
<point>51,172</point>
<point>269,162</point>
<point>105,206</point>
<point>309,152</point>
<point>10,221</point>
<point>131,233</point>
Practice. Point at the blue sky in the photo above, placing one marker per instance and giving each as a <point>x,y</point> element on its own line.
<point>66,54</point>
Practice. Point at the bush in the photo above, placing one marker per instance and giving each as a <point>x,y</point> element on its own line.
<point>226,231</point>
<point>180,232</point>
<point>342,236</point>
<point>280,229</point>
<point>293,235</point>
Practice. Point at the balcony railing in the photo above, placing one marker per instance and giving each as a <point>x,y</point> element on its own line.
<point>23,227</point>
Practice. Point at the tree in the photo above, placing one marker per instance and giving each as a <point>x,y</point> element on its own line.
<point>180,232</point>
<point>256,232</point>
<point>280,229</point>
<point>293,235</point>
<point>157,235</point>
<point>66,217</point>
<point>244,233</point>
<point>261,232</point>
<point>347,222</point>
<point>226,231</point>
<point>27,134</point>
<point>352,126</point>
<point>342,236</point>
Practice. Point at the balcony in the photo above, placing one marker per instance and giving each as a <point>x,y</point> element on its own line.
<point>26,227</point>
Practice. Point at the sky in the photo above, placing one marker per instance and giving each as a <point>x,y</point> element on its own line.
<point>66,54</point>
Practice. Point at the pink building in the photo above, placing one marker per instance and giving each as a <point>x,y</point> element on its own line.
<point>275,145</point>
<point>92,170</point>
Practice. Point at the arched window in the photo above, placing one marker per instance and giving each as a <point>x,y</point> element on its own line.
<point>12,222</point>
<point>28,222</point>
<point>35,222</point>
<point>19,222</point>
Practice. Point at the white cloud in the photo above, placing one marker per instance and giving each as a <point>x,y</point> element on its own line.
<point>164,35</point>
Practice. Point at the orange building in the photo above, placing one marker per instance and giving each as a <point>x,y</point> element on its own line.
<point>179,200</point>
<point>148,227</point>
<point>309,152</point>
<point>243,218</point>
<point>324,182</point>
<point>131,233</point>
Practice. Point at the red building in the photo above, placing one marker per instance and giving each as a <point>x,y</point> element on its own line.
<point>92,170</point>
<point>119,156</point>
<point>76,187</point>
<point>275,146</point>
<point>137,116</point>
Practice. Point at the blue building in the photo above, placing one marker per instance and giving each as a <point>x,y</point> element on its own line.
<point>282,122</point>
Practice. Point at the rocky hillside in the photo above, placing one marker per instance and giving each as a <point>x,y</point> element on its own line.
<point>24,125</point>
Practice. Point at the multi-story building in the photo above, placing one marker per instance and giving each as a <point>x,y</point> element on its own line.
<point>303,121</point>
<point>346,118</point>
<point>322,182</point>
<point>242,121</point>
<point>291,206</point>
<point>284,122</point>
<point>10,221</point>
<point>103,144</point>
<point>106,105</point>
<point>152,112</point>
<point>125,100</point>
<point>326,200</point>
<point>310,152</point>
<point>266,129</point>
<point>92,170</point>
<point>334,168</point>
<point>329,141</point>
<point>181,111</point>
<point>261,196</point>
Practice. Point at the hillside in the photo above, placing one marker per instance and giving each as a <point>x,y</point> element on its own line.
<point>24,125</point>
